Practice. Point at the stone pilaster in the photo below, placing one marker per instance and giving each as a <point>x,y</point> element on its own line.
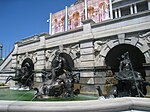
<point>131,9</point>
<point>87,61</point>
<point>116,14</point>
<point>87,53</point>
<point>105,80</point>
<point>119,12</point>
<point>148,4</point>
<point>135,8</point>
<point>14,56</point>
<point>40,64</point>
<point>14,61</point>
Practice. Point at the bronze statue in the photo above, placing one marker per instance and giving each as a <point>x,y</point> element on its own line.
<point>60,80</point>
<point>57,66</point>
<point>130,82</point>
<point>125,63</point>
<point>23,76</point>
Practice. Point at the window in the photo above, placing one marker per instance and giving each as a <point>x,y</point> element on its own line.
<point>125,11</point>
<point>142,6</point>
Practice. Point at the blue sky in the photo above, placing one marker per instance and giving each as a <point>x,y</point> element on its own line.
<point>22,18</point>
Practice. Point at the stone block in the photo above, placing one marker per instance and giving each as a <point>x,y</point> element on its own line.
<point>147,73</point>
<point>87,28</point>
<point>100,74</point>
<point>105,80</point>
<point>110,44</point>
<point>41,53</point>
<point>3,78</point>
<point>148,90</point>
<point>84,80</point>
<point>87,51</point>
<point>87,44</point>
<point>121,38</point>
<point>147,79</point>
<point>144,48</point>
<point>105,73</point>
<point>2,81</point>
<point>87,58</point>
<point>27,48</point>
<point>100,80</point>
<point>14,61</point>
<point>40,62</point>
<point>39,66</point>
<point>7,74</point>
<point>147,58</point>
<point>87,74</point>
<point>134,40</point>
<point>42,41</point>
<point>90,81</point>
<point>87,64</point>
<point>87,80</point>
<point>111,80</point>
<point>89,90</point>
<point>14,57</point>
<point>86,36</point>
<point>41,57</point>
<point>99,61</point>
<point>105,50</point>
<point>106,88</point>
<point>11,83</point>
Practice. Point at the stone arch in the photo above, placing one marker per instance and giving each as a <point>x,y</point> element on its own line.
<point>138,47</point>
<point>30,65</point>
<point>133,41</point>
<point>28,60</point>
<point>113,57</point>
<point>73,54</point>
<point>31,56</point>
<point>69,63</point>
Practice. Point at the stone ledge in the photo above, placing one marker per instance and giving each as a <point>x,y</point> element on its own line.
<point>2,87</point>
<point>103,105</point>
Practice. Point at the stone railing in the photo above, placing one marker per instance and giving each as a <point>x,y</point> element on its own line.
<point>103,105</point>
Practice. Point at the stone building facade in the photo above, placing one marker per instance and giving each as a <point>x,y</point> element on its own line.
<point>93,49</point>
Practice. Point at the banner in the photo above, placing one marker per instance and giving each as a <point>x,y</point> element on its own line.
<point>72,17</point>
<point>58,20</point>
<point>75,16</point>
<point>98,10</point>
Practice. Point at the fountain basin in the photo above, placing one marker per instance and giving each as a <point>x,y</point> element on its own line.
<point>103,105</point>
<point>25,95</point>
<point>21,101</point>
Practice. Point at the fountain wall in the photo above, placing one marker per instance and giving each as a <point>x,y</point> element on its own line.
<point>105,105</point>
<point>88,46</point>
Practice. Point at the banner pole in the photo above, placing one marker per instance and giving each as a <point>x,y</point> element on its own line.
<point>66,18</point>
<point>50,23</point>
<point>110,8</point>
<point>85,8</point>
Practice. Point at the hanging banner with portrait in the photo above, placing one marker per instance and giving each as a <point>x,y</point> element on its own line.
<point>58,20</point>
<point>98,10</point>
<point>75,16</point>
